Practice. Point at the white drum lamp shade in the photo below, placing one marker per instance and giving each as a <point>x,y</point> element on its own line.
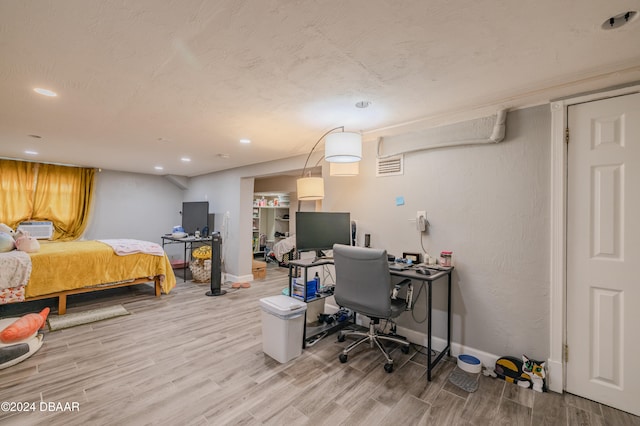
<point>310,188</point>
<point>343,147</point>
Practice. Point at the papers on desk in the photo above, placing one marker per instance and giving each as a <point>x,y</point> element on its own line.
<point>398,267</point>
<point>393,266</point>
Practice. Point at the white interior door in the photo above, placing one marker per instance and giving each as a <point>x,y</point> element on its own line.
<point>603,252</point>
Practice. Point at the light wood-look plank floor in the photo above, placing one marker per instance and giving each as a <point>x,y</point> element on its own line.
<point>188,359</point>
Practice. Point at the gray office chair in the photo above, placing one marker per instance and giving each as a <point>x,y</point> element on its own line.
<point>363,284</point>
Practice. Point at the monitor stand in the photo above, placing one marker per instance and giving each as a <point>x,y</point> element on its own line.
<point>321,256</point>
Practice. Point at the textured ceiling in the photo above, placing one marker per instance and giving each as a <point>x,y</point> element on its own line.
<point>144,83</point>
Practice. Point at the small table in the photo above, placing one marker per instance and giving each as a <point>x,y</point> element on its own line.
<point>441,272</point>
<point>188,246</point>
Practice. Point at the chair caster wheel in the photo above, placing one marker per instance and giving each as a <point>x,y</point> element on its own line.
<point>388,368</point>
<point>341,337</point>
<point>405,349</point>
<point>342,358</point>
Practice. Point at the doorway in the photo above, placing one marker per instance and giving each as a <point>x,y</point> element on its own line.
<point>270,221</point>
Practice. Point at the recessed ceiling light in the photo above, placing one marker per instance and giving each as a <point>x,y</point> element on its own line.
<point>45,92</point>
<point>186,159</point>
<point>245,140</point>
<point>363,104</point>
<point>225,156</point>
<point>31,152</point>
<point>35,136</point>
<point>619,20</point>
<point>159,168</point>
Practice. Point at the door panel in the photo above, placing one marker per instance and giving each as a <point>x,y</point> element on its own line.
<point>603,252</point>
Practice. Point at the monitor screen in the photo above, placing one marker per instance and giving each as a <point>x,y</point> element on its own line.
<point>321,230</point>
<point>195,215</point>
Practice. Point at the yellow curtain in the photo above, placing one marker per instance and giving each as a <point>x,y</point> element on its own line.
<point>16,198</point>
<point>64,196</point>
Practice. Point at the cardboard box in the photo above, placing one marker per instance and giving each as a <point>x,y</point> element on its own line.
<point>259,270</point>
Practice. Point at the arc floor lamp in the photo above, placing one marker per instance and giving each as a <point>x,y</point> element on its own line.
<point>340,147</point>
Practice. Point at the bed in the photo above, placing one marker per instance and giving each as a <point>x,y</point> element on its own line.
<point>283,251</point>
<point>60,269</point>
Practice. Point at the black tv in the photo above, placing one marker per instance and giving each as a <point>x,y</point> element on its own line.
<point>195,215</point>
<point>321,230</point>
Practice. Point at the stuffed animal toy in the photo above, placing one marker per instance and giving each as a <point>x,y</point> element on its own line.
<point>24,327</point>
<point>6,242</point>
<point>19,338</point>
<point>6,229</point>
<point>27,244</point>
<point>526,373</point>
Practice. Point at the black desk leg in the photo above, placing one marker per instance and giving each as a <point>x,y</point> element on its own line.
<point>449,316</point>
<point>184,264</point>
<point>304,331</point>
<point>429,365</point>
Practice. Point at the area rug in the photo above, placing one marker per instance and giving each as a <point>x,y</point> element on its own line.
<point>58,322</point>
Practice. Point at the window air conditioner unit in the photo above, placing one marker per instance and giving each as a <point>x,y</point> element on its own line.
<point>38,230</point>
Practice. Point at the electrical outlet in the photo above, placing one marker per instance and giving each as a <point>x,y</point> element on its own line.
<point>421,220</point>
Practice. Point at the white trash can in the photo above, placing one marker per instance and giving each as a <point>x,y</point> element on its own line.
<point>282,327</point>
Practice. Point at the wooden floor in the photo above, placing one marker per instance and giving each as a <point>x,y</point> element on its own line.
<point>191,359</point>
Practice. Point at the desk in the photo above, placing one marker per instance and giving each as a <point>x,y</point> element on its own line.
<point>188,246</point>
<point>429,279</point>
<point>407,273</point>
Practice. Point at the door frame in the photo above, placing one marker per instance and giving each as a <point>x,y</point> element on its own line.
<point>556,376</point>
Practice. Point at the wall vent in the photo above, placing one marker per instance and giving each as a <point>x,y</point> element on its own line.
<point>391,166</point>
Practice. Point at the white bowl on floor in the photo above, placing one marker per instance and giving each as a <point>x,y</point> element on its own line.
<point>469,363</point>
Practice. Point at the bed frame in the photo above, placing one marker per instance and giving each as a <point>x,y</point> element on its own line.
<point>62,295</point>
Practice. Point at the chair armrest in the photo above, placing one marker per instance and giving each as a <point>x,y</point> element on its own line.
<point>409,299</point>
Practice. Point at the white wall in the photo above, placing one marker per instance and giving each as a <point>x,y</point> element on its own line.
<point>132,205</point>
<point>489,204</point>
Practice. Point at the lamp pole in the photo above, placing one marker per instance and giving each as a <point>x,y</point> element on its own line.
<point>314,147</point>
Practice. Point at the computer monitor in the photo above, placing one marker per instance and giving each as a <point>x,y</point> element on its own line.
<point>321,230</point>
<point>195,215</point>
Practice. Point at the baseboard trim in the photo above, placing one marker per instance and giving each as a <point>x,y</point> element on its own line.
<point>555,379</point>
<point>230,278</point>
<point>438,344</point>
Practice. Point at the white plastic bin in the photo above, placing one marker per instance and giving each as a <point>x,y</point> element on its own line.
<point>282,327</point>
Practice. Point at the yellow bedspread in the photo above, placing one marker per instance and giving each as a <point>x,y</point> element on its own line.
<point>60,266</point>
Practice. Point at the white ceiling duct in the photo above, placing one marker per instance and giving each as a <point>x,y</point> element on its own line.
<point>496,136</point>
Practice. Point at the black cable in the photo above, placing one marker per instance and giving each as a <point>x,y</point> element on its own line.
<point>424,250</point>
<point>414,303</point>
<point>418,349</point>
